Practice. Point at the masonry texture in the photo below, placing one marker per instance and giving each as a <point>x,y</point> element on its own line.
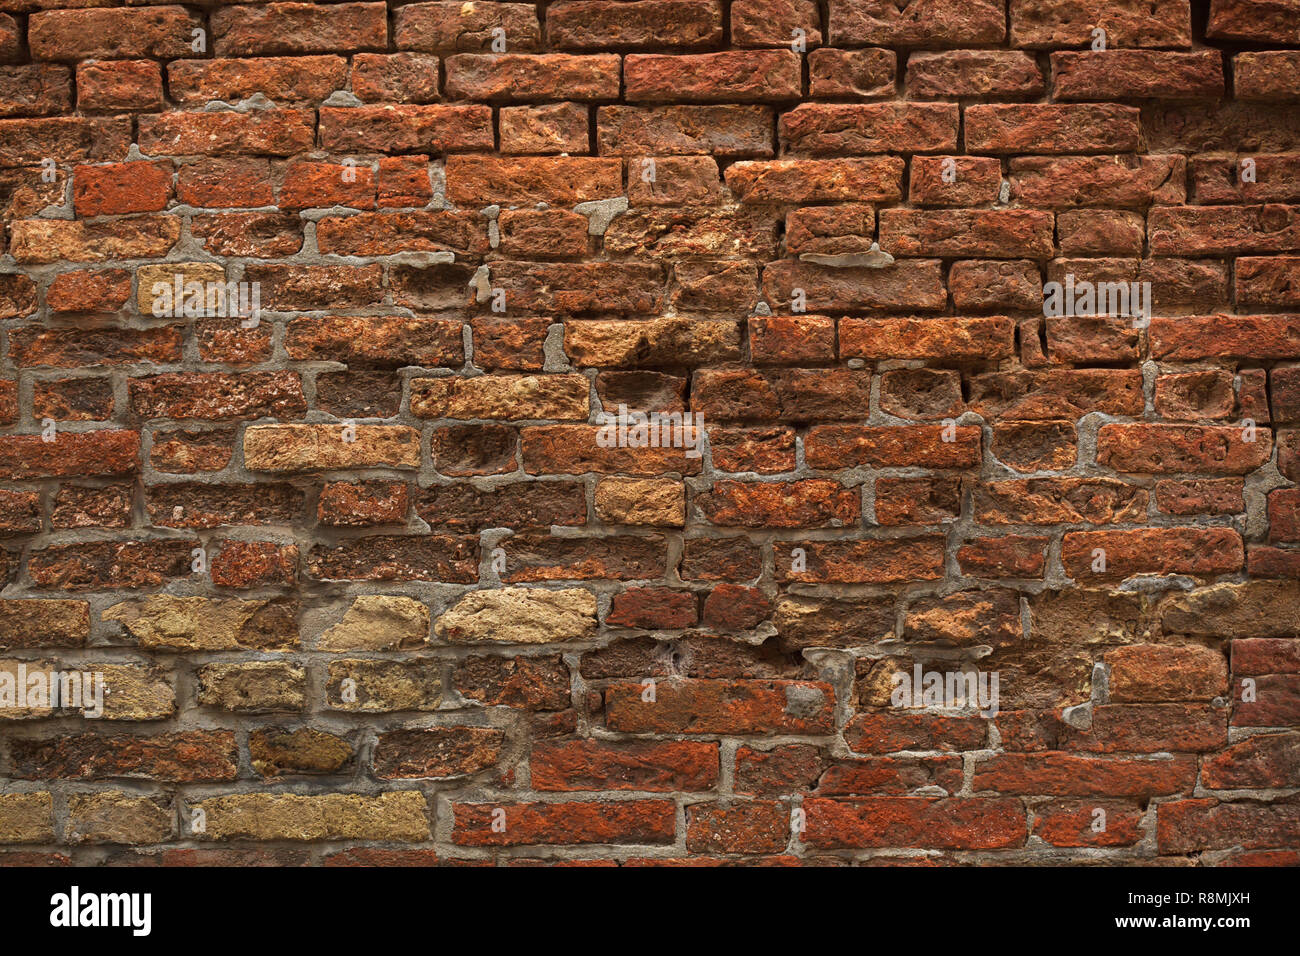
<point>365,582</point>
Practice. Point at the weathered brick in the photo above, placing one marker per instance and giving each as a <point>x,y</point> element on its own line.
<point>327,447</point>
<point>719,707</point>
<point>1205,552</point>
<point>982,73</point>
<point>1051,128</point>
<point>399,817</point>
<point>406,128</point>
<point>858,73</point>
<point>282,79</point>
<point>923,24</point>
<point>954,823</point>
<point>119,85</point>
<point>274,132</point>
<point>828,129</point>
<point>1134,74</point>
<point>131,33</point>
<point>737,130</point>
<point>551,76</point>
<point>648,767</point>
<point>570,822</point>
<point>448,26</point>
<point>1236,20</point>
<point>298,28</point>
<point>1128,23</point>
<point>734,77</point>
<point>810,180</point>
<point>437,752</point>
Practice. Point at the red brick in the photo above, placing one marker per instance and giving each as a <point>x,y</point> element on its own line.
<point>35,90</point>
<point>406,128</point>
<point>404,181</point>
<point>732,607</point>
<point>1137,74</point>
<point>791,340</point>
<point>110,565</point>
<point>1237,20</point>
<point>1263,75</point>
<point>188,756</point>
<point>1206,552</point>
<point>1051,128</point>
<point>1209,230</point>
<point>218,396</point>
<point>304,79</point>
<point>1048,23</point>
<point>780,394</point>
<point>121,188</point>
<point>890,775</point>
<point>395,77</point>
<point>347,504</point>
<point>603,25</point>
<point>161,32</point>
<point>774,22</point>
<point>731,77</point>
<point>298,28</point>
<point>1153,728</point>
<point>833,128</point>
<point>393,558</point>
<point>917,501</point>
<point>1277,702</point>
<point>1009,556</point>
<point>1186,826</point>
<point>548,128</point>
<point>888,732</point>
<point>783,769</point>
<point>721,707</point>
<point>274,132</point>
<point>644,766</point>
<point>1063,181</point>
<point>846,446</point>
<point>652,608</point>
<point>982,73</point>
<point>788,181</point>
<point>23,457</point>
<point>254,564</point>
<point>309,184</point>
<point>1262,761</point>
<point>1012,234</point>
<point>810,503</point>
<point>512,77</point>
<point>63,138</point>
<point>857,73</point>
<point>1225,336</point>
<point>225,183</point>
<point>1078,823</point>
<point>672,130</point>
<point>924,24</point>
<point>972,823</point>
<point>119,85</point>
<point>88,291</point>
<point>1200,496</point>
<point>758,827</point>
<point>1165,449</point>
<point>474,180</point>
<point>878,561</point>
<point>635,821</point>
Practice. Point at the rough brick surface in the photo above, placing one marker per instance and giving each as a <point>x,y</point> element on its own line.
<point>330,334</point>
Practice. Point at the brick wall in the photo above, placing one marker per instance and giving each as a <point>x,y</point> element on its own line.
<point>365,575</point>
